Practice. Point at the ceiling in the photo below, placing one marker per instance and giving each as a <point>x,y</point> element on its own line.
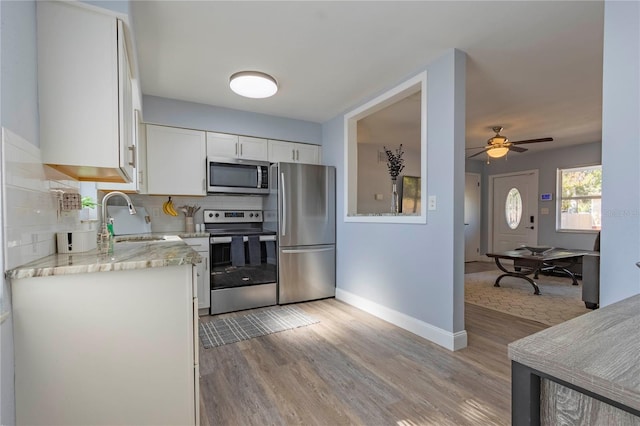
<point>533,67</point>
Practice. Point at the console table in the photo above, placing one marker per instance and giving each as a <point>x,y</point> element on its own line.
<point>556,259</point>
<point>583,371</point>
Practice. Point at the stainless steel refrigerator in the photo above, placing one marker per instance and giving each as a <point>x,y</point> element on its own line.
<point>301,209</point>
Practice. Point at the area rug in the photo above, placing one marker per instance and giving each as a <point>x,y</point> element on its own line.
<point>559,301</point>
<point>223,331</point>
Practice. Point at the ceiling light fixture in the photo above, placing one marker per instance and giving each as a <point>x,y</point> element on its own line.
<point>497,152</point>
<point>253,84</point>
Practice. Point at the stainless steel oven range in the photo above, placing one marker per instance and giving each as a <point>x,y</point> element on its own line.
<point>243,260</point>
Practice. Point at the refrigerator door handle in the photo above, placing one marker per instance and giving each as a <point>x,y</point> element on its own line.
<point>283,224</point>
<point>307,250</point>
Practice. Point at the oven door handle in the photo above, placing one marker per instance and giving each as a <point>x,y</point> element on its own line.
<point>227,240</point>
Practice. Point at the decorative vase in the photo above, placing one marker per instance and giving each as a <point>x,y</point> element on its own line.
<point>189,227</point>
<point>394,197</point>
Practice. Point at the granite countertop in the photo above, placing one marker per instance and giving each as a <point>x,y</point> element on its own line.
<point>597,351</point>
<point>155,235</point>
<point>129,252</point>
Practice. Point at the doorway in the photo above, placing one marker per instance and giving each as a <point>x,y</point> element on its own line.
<point>513,210</point>
<point>472,217</point>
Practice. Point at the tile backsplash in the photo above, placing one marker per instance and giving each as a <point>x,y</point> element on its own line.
<point>161,222</point>
<point>32,195</point>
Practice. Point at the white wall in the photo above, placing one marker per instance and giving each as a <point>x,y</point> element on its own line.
<point>373,176</point>
<point>30,195</point>
<point>19,112</point>
<point>19,74</point>
<point>191,115</point>
<point>620,242</point>
<point>547,163</point>
<point>412,274</point>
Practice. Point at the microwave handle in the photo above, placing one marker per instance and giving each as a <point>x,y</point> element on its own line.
<point>283,224</point>
<point>259,183</point>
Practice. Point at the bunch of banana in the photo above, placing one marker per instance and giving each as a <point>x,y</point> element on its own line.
<point>168,209</point>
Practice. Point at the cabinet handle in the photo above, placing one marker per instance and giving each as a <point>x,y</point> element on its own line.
<point>140,178</point>
<point>132,163</point>
<point>297,154</point>
<point>240,150</point>
<point>236,148</point>
<point>293,154</point>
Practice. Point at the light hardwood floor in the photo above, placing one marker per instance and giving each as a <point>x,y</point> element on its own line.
<point>353,368</point>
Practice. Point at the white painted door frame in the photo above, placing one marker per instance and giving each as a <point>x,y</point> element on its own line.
<point>490,206</point>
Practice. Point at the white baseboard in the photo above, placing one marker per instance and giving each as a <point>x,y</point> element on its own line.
<point>446,339</point>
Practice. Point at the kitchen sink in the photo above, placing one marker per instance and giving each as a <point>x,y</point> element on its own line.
<point>145,239</point>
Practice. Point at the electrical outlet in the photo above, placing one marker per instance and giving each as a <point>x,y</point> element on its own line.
<point>155,212</point>
<point>432,202</point>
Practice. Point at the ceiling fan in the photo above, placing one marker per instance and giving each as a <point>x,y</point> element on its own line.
<point>498,146</point>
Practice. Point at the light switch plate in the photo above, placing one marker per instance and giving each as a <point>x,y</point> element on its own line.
<point>432,202</point>
<point>379,197</point>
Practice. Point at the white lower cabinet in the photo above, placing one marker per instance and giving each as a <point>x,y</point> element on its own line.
<point>293,152</point>
<point>201,245</point>
<point>114,347</point>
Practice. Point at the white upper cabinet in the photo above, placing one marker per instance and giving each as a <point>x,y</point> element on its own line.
<point>84,93</point>
<point>234,146</point>
<point>292,152</point>
<point>176,161</point>
<point>138,156</point>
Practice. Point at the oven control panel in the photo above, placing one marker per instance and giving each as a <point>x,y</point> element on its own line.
<point>232,216</point>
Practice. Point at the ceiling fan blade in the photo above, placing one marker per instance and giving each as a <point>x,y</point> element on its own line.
<point>478,153</point>
<point>517,149</point>
<point>532,141</point>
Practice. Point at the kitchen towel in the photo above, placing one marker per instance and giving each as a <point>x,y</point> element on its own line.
<point>254,250</point>
<point>271,252</point>
<point>237,250</point>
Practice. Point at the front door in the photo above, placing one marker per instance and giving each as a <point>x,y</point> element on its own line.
<point>514,210</point>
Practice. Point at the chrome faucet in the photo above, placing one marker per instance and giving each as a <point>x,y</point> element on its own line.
<point>132,210</point>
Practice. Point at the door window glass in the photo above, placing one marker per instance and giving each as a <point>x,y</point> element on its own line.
<point>513,208</point>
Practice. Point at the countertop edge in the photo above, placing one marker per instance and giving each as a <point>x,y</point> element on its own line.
<point>142,255</point>
<point>554,351</point>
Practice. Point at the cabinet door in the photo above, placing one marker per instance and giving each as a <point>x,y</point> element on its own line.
<point>176,161</point>
<point>78,91</point>
<point>141,153</point>
<point>281,151</point>
<point>306,153</point>
<point>222,145</point>
<point>125,102</point>
<point>201,245</point>
<point>204,290</point>
<point>253,148</point>
<point>292,152</point>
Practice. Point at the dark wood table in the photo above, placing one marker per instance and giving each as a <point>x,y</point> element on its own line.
<point>558,260</point>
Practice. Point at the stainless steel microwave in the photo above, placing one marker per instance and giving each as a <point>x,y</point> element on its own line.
<point>237,176</point>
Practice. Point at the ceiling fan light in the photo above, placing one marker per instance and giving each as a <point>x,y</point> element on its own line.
<point>498,152</point>
<point>497,140</point>
<point>253,84</point>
